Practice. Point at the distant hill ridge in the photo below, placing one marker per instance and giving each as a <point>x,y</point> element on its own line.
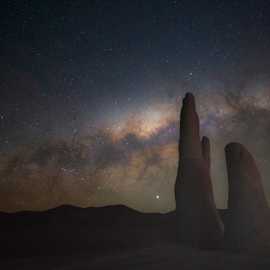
<point>69,229</point>
<point>196,222</point>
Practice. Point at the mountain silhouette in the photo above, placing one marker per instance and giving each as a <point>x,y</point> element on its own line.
<point>195,236</point>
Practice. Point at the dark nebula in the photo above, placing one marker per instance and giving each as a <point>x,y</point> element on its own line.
<point>90,95</point>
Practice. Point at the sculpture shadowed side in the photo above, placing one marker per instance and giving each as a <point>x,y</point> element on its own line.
<point>248,220</point>
<point>199,223</point>
<point>206,151</point>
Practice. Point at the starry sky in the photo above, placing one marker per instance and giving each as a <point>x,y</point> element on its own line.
<point>90,95</point>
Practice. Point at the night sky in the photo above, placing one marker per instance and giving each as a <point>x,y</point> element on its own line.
<point>90,95</point>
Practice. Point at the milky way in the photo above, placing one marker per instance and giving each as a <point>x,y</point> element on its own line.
<point>91,97</point>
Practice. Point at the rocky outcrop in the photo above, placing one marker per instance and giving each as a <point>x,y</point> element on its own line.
<point>206,151</point>
<point>248,219</point>
<point>198,221</point>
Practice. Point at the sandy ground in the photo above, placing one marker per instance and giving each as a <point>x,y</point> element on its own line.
<point>169,257</point>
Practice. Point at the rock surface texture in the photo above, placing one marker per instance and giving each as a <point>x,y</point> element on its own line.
<point>198,221</point>
<point>248,222</point>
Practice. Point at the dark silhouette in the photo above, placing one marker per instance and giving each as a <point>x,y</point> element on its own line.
<point>198,221</point>
<point>68,230</point>
<point>206,151</point>
<point>248,222</point>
